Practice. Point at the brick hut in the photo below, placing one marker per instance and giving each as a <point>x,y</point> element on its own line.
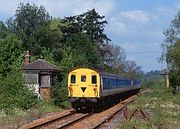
<point>39,75</point>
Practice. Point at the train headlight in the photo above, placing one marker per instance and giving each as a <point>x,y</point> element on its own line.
<point>95,91</point>
<point>70,91</point>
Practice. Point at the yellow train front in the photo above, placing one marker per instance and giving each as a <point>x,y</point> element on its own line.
<point>88,88</point>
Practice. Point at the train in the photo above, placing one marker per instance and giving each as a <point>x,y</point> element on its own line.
<point>90,87</point>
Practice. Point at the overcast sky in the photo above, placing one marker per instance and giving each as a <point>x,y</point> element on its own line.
<point>136,25</point>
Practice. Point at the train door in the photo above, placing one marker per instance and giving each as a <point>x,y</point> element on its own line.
<point>73,85</point>
<point>94,87</point>
<point>83,83</point>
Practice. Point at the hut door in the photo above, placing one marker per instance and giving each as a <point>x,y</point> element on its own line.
<point>45,81</point>
<point>45,87</point>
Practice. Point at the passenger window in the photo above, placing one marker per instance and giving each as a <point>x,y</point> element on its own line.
<point>83,78</point>
<point>94,79</point>
<point>73,78</point>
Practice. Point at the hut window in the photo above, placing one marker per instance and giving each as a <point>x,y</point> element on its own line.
<point>30,78</point>
<point>94,79</point>
<point>83,78</point>
<point>73,78</point>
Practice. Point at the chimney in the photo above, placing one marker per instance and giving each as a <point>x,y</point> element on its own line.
<point>27,57</point>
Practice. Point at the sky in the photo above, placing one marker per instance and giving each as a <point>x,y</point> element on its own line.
<point>135,25</point>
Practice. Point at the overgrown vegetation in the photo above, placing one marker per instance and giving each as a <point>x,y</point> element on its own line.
<point>150,79</point>
<point>161,106</point>
<point>14,93</point>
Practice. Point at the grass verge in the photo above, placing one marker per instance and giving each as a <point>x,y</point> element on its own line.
<point>162,107</point>
<point>19,117</point>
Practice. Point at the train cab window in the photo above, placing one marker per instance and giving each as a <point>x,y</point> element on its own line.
<point>83,78</point>
<point>94,79</point>
<point>73,78</point>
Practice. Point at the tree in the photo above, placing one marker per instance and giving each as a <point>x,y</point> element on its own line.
<point>173,59</point>
<point>132,70</point>
<point>114,58</point>
<point>91,24</point>
<point>173,56</point>
<point>115,55</point>
<point>172,35</point>
<point>26,21</point>
<point>14,93</point>
<point>82,52</point>
<point>45,38</point>
<point>11,54</point>
<point>3,30</point>
<point>171,52</point>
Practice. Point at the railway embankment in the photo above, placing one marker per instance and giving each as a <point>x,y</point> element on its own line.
<point>20,117</point>
<point>158,108</point>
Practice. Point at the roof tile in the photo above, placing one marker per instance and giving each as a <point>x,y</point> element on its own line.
<point>41,65</point>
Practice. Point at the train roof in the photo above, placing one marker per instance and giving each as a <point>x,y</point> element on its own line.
<point>102,72</point>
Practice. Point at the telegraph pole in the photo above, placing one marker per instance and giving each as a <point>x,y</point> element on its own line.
<point>165,73</point>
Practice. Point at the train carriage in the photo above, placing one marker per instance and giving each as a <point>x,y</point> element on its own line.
<point>88,86</point>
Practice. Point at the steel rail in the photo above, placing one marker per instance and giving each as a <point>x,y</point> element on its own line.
<point>41,122</point>
<point>68,124</point>
<point>124,104</point>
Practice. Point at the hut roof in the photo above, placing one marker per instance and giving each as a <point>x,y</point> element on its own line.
<point>41,65</point>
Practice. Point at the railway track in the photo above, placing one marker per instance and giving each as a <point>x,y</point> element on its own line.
<point>64,122</point>
<point>110,116</point>
<point>56,121</point>
<point>123,106</point>
<point>97,119</point>
<point>73,120</point>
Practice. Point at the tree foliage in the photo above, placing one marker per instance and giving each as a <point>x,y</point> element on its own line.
<point>133,71</point>
<point>85,54</point>
<point>3,30</point>
<point>26,21</point>
<point>90,23</point>
<point>114,55</point>
<point>173,59</point>
<point>14,93</point>
<point>11,52</point>
<point>115,61</point>
<point>172,50</point>
<point>93,25</point>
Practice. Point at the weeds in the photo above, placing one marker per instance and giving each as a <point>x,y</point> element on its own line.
<point>162,107</point>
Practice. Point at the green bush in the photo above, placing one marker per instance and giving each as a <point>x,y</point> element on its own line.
<point>59,93</point>
<point>11,54</point>
<point>14,93</point>
<point>66,104</point>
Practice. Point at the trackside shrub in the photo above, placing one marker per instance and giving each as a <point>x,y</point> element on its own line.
<point>14,93</point>
<point>59,94</point>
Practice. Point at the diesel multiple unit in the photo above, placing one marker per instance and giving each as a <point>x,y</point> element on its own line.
<point>89,87</point>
